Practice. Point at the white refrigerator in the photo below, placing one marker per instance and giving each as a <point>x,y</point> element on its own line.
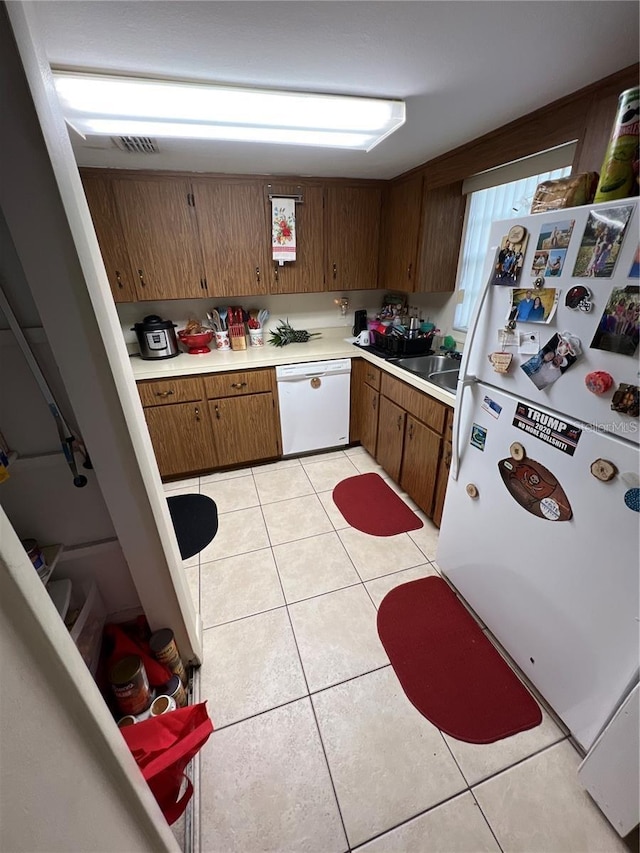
<point>540,527</point>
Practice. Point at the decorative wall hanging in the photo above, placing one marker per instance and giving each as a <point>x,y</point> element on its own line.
<point>283,233</point>
<point>601,242</point>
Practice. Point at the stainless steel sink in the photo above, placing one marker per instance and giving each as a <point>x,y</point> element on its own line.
<point>448,380</point>
<point>441,370</point>
<point>423,365</point>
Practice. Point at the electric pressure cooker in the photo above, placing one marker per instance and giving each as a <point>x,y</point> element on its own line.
<point>156,338</point>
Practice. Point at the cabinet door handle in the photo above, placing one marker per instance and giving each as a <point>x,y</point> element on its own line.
<point>197,413</point>
<point>447,460</point>
<point>258,274</point>
<point>118,279</point>
<point>275,272</point>
<point>410,430</point>
<point>370,377</point>
<point>374,403</point>
<point>164,393</point>
<point>335,272</point>
<point>399,421</point>
<point>141,277</point>
<point>238,384</point>
<point>409,270</point>
<point>217,413</point>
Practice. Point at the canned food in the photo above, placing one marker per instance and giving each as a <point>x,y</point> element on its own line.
<point>617,175</point>
<point>162,705</point>
<point>174,688</point>
<point>35,555</point>
<point>164,649</point>
<point>130,685</point>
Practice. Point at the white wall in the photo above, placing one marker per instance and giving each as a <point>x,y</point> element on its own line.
<point>303,310</point>
<point>69,782</point>
<point>45,209</point>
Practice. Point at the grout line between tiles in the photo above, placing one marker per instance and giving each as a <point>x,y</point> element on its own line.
<point>313,710</point>
<point>519,761</point>
<point>486,819</point>
<point>411,818</point>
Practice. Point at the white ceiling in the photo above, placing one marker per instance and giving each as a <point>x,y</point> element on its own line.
<point>464,68</point>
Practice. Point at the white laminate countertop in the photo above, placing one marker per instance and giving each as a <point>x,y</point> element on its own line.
<point>334,343</point>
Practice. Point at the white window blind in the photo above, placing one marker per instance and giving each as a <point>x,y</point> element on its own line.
<point>483,208</point>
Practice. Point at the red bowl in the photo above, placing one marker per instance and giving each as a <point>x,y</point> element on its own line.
<point>197,344</point>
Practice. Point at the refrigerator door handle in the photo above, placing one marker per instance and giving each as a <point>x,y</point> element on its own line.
<point>455,444</point>
<point>475,319</point>
<point>465,380</point>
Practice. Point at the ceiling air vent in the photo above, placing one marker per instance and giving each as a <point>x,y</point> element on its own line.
<point>136,144</point>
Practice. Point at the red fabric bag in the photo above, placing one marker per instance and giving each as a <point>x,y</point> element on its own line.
<point>162,747</point>
<point>124,645</point>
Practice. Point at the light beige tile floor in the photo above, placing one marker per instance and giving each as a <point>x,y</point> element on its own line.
<point>316,748</point>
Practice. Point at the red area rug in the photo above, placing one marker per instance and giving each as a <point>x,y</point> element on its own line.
<point>370,505</point>
<point>447,667</point>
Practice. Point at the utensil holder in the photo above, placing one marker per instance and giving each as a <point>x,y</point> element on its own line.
<point>237,336</point>
<point>222,340</point>
<point>256,338</point>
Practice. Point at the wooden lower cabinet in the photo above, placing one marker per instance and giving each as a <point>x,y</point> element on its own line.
<point>244,429</point>
<point>391,424</point>
<point>200,423</point>
<point>363,419</point>
<point>441,487</point>
<point>181,438</point>
<point>420,462</point>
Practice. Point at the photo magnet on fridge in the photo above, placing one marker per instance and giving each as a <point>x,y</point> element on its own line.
<point>555,235</point>
<point>534,306</point>
<point>510,257</point>
<point>634,272</point>
<point>553,360</point>
<point>601,242</point>
<point>619,328</point>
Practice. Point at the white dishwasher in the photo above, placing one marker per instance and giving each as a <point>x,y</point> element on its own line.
<point>314,404</point>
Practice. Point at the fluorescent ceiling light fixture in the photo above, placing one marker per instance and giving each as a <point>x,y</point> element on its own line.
<point>131,106</point>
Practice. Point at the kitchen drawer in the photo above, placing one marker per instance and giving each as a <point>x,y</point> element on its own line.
<point>235,384</point>
<point>424,408</point>
<point>160,392</point>
<point>372,375</point>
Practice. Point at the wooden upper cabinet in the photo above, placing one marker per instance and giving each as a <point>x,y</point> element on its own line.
<point>353,230</point>
<point>234,234</point>
<point>306,273</point>
<point>441,238</point>
<point>111,240</point>
<point>159,227</point>
<point>400,227</point>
